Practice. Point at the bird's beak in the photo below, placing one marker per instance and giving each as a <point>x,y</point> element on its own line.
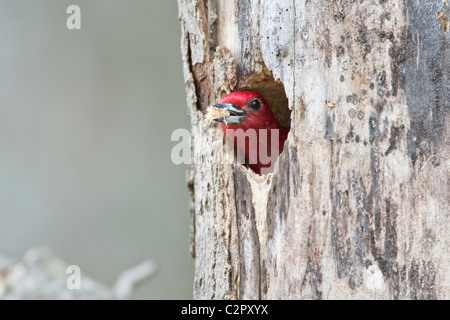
<point>237,115</point>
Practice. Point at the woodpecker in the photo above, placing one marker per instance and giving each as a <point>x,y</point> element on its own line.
<point>260,134</point>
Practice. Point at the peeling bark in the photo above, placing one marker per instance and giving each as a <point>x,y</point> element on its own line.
<point>358,203</point>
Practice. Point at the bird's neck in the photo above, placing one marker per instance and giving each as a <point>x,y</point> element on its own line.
<point>261,147</point>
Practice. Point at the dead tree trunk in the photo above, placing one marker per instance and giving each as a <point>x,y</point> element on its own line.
<point>358,203</point>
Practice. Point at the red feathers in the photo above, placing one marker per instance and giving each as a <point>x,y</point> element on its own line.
<point>253,128</point>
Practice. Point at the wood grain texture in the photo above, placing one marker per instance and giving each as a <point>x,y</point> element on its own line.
<point>358,204</point>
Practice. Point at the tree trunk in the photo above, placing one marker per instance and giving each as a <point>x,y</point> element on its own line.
<point>358,204</point>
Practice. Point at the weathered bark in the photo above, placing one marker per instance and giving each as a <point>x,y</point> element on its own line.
<point>358,204</point>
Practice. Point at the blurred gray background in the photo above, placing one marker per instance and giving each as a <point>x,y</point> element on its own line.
<point>86,118</point>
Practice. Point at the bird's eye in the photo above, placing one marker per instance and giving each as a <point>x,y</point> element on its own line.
<point>255,104</point>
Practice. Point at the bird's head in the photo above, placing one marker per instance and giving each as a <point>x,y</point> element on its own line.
<point>243,115</point>
<point>247,110</point>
